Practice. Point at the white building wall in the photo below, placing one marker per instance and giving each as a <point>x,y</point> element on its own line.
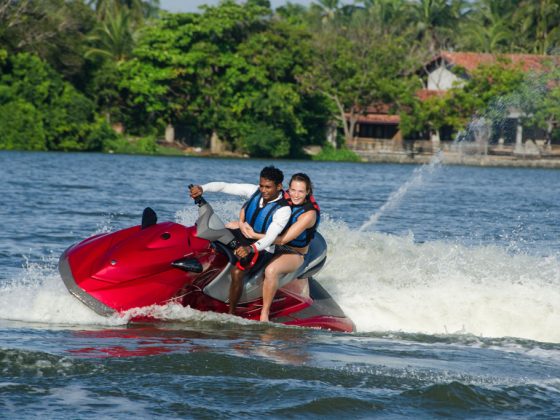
<point>442,79</point>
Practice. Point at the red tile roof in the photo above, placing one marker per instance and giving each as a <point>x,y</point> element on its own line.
<point>470,61</point>
<point>379,113</point>
<point>424,94</point>
<point>379,119</point>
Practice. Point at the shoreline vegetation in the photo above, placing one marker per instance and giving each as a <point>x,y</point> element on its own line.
<point>327,81</point>
<point>346,155</point>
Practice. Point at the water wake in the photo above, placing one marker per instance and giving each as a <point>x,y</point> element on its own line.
<point>38,295</point>
<point>390,283</point>
<point>383,282</point>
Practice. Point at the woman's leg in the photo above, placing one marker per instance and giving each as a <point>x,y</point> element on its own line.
<point>285,263</point>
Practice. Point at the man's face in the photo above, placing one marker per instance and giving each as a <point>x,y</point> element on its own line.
<point>269,190</point>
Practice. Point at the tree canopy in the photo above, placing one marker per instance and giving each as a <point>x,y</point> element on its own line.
<point>266,82</point>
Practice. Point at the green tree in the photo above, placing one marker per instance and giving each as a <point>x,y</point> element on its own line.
<point>54,30</point>
<point>293,13</point>
<point>327,9</point>
<point>538,22</point>
<point>489,27</point>
<point>109,45</point>
<point>113,38</point>
<point>539,99</point>
<point>21,127</point>
<point>62,118</point>
<point>356,67</point>
<point>483,94</point>
<point>225,71</point>
<point>139,10</point>
<point>390,17</point>
<point>436,20</point>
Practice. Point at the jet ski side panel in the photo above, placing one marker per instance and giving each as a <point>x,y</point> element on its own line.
<point>133,268</point>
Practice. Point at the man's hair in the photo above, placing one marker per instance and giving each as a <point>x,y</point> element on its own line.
<point>272,174</point>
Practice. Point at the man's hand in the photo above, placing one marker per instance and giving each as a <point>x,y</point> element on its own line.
<point>196,191</point>
<point>242,251</point>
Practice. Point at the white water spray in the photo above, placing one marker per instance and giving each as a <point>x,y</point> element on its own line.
<point>417,179</point>
<point>390,283</point>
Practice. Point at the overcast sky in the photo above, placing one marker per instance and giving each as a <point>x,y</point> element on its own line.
<point>192,5</point>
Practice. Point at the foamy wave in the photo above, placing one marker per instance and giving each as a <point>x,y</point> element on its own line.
<point>390,283</point>
<point>38,295</point>
<point>178,313</point>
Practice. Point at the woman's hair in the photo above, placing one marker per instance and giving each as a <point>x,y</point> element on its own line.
<point>303,178</point>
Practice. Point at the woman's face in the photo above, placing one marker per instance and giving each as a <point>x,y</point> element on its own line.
<point>298,192</point>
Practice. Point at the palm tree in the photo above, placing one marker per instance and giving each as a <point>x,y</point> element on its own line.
<point>488,28</point>
<point>113,38</point>
<point>327,9</point>
<point>292,12</point>
<point>539,24</point>
<point>389,16</point>
<point>139,9</point>
<point>435,20</point>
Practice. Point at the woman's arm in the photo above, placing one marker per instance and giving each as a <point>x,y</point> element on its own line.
<point>248,231</point>
<point>305,221</point>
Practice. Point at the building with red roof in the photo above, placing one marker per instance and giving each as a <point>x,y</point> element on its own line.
<point>378,130</point>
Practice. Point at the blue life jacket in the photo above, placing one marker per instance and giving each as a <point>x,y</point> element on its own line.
<point>308,234</point>
<point>260,218</point>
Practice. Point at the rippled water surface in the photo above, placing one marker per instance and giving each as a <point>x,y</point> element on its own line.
<point>451,274</point>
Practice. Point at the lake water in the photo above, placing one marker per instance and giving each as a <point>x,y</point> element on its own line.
<point>454,286</point>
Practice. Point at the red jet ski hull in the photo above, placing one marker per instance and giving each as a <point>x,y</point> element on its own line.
<point>167,263</point>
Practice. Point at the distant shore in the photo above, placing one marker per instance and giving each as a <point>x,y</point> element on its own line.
<point>447,158</point>
<point>465,159</point>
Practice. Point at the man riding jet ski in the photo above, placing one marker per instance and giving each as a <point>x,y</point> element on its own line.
<point>168,263</point>
<point>262,220</point>
<point>266,211</point>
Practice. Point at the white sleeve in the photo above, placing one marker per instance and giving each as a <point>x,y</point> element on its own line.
<point>279,221</point>
<point>243,190</point>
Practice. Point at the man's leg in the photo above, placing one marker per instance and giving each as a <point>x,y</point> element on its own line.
<point>235,288</point>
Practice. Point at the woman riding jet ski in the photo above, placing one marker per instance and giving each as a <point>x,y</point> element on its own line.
<point>163,263</point>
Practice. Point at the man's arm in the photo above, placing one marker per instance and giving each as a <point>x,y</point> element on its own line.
<point>305,221</point>
<point>279,221</point>
<point>243,190</point>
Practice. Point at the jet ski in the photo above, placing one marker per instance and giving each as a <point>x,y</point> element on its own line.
<point>165,263</point>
